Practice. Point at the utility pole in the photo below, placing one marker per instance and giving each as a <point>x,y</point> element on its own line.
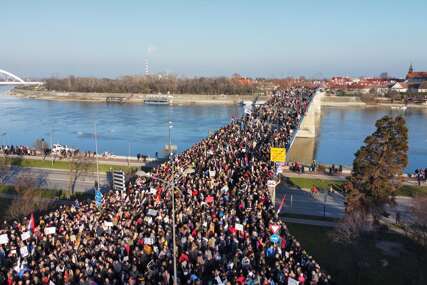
<point>96,157</point>
<point>128,154</point>
<point>51,146</point>
<point>175,277</point>
<point>324,203</point>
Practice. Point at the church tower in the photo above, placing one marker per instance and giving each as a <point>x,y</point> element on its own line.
<point>411,68</point>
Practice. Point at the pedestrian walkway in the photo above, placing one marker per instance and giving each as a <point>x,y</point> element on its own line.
<point>310,222</point>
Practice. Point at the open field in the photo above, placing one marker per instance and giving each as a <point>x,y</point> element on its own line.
<point>367,264</point>
<point>307,183</point>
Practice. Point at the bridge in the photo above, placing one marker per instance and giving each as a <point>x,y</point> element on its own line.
<point>303,144</point>
<point>7,78</point>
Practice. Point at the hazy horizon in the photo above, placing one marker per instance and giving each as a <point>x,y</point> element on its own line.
<point>205,38</point>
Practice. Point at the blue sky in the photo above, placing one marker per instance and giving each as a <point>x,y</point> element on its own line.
<point>255,38</point>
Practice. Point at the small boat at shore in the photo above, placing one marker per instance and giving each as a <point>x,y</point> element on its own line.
<point>401,108</point>
<point>157,100</point>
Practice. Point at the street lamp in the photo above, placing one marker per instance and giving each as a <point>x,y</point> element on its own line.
<point>4,138</point>
<point>170,185</point>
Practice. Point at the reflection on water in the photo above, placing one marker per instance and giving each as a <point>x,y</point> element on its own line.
<point>142,127</point>
<point>342,131</point>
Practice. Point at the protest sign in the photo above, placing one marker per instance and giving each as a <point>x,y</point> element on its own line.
<point>26,235</point>
<point>4,239</point>
<point>239,227</point>
<point>152,212</point>
<point>50,230</point>
<point>24,251</point>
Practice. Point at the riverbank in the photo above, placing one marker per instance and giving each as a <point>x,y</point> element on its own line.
<point>176,99</point>
<point>355,101</point>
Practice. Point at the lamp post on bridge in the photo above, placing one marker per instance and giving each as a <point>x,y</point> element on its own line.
<point>171,185</point>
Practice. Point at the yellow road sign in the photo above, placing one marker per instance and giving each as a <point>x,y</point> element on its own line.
<point>278,154</point>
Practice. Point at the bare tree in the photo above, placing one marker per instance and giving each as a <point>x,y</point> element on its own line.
<point>351,227</point>
<point>4,167</point>
<point>41,146</point>
<point>79,165</point>
<point>27,199</point>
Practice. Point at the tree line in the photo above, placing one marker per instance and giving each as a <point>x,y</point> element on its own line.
<point>152,85</point>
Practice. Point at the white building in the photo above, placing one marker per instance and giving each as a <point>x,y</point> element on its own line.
<point>400,87</point>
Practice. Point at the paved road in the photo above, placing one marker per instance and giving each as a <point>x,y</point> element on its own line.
<point>53,178</point>
<point>302,202</point>
<point>310,222</point>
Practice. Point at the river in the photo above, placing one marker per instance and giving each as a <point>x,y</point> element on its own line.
<point>121,128</point>
<point>143,129</point>
<point>343,130</point>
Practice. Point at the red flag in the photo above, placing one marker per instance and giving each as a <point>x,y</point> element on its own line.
<point>31,224</point>
<point>281,204</point>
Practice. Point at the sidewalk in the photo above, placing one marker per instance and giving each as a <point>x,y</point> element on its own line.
<point>119,160</point>
<point>322,176</point>
<point>310,222</point>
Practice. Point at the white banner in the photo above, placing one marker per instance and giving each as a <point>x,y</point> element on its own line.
<point>24,251</point>
<point>26,235</point>
<point>239,227</point>
<point>148,241</point>
<point>50,230</point>
<point>4,239</point>
<point>152,212</point>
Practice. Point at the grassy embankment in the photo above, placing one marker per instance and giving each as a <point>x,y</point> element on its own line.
<point>375,267</point>
<point>8,192</point>
<point>64,165</point>
<point>405,190</point>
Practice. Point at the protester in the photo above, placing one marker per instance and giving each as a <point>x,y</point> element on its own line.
<point>227,228</point>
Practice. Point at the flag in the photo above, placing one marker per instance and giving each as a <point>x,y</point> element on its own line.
<point>31,224</point>
<point>98,198</point>
<point>281,204</point>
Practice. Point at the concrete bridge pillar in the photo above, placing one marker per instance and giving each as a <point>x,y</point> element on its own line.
<point>310,122</point>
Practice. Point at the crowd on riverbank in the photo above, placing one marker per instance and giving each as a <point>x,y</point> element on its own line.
<point>17,150</point>
<point>61,153</point>
<point>228,231</point>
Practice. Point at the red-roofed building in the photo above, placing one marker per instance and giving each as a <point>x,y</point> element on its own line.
<point>415,78</point>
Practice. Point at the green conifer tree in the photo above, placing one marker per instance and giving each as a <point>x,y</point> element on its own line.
<point>378,166</point>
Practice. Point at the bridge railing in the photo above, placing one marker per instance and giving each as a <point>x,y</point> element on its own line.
<point>294,134</point>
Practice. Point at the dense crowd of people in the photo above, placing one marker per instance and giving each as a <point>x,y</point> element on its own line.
<point>17,150</point>
<point>421,175</point>
<point>227,227</point>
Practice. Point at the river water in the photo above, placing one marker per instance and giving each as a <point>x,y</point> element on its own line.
<point>120,127</point>
<point>144,128</point>
<point>343,130</point>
